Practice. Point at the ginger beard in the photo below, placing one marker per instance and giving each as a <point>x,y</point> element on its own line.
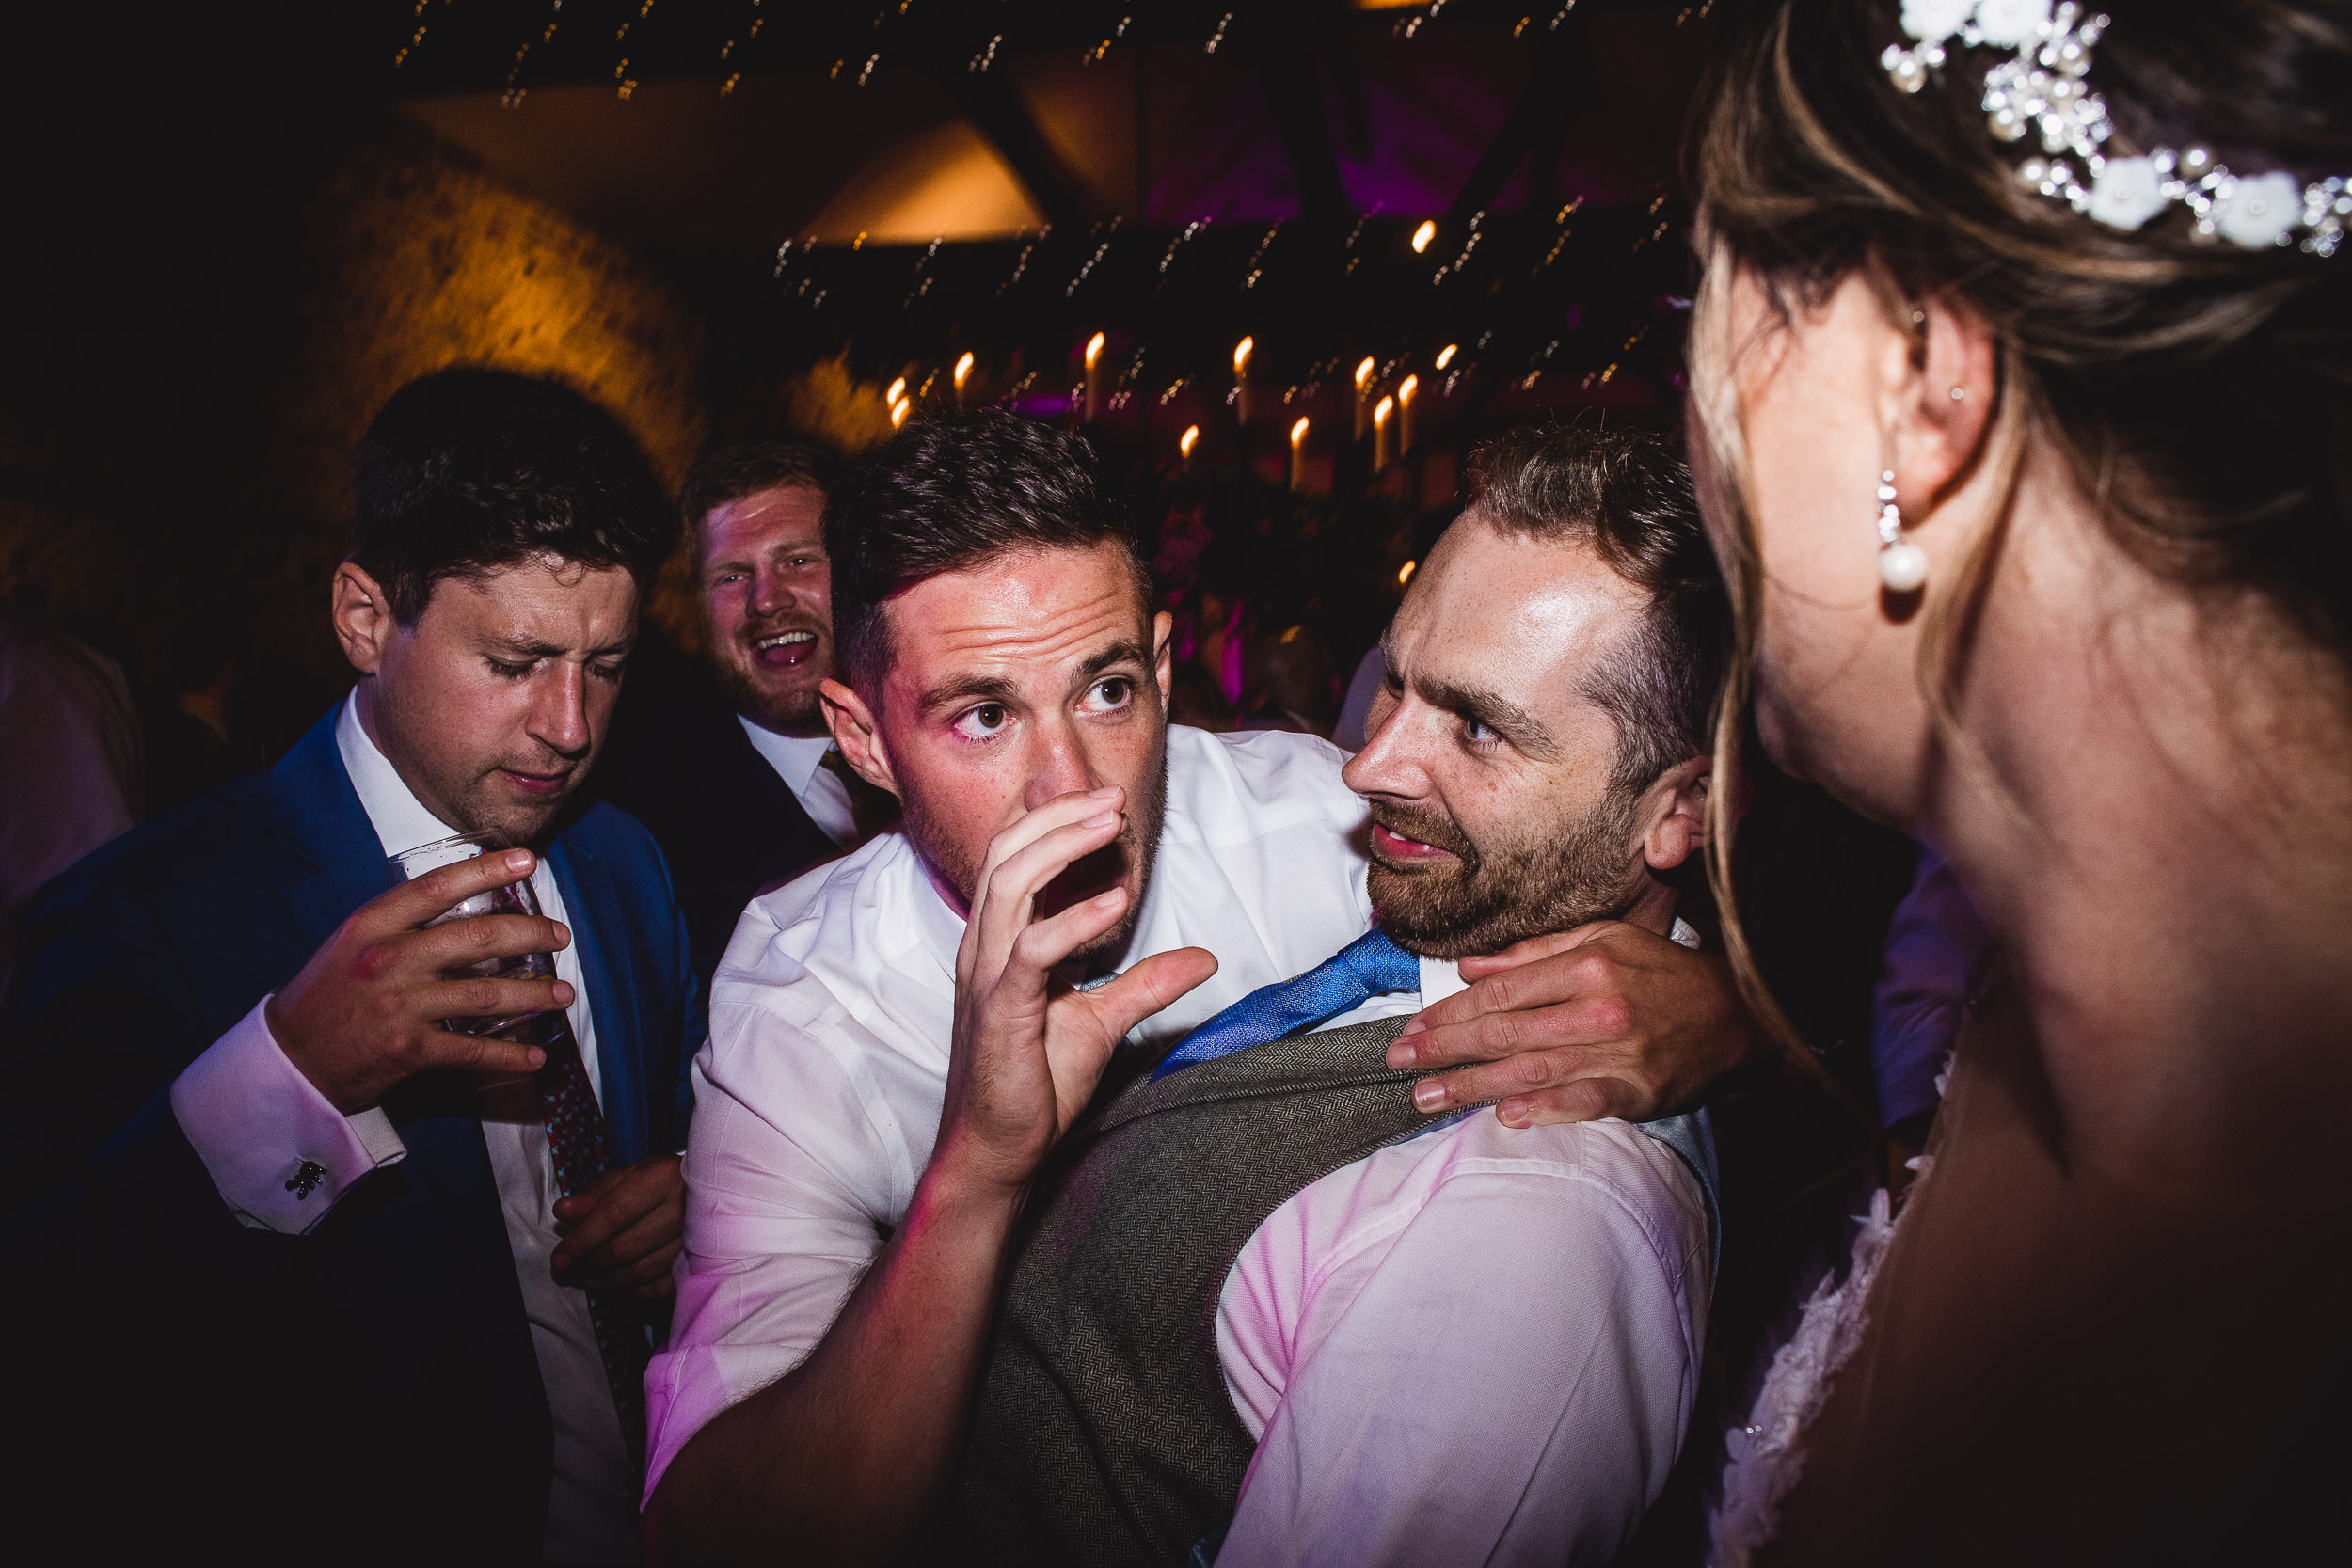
<point>1542,878</point>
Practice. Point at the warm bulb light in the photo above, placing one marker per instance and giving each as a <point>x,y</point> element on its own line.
<point>897,394</point>
<point>1445,355</point>
<point>963,369</point>
<point>1407,389</point>
<point>1299,434</point>
<point>1382,410</point>
<point>1363,372</point>
<point>1404,573</point>
<point>899,413</point>
<point>1189,439</point>
<point>1094,350</point>
<point>1241,354</point>
<point>1422,236</point>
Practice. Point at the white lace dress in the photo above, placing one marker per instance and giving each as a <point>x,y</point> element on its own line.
<point>1765,1456</point>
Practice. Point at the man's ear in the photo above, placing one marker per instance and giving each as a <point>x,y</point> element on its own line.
<point>1163,655</point>
<point>1941,387</point>
<point>1677,800</point>
<point>362,616</point>
<point>856,733</point>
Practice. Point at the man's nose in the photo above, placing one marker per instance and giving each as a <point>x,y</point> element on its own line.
<point>772,591</point>
<point>1059,763</point>
<point>559,708</point>
<point>1389,763</point>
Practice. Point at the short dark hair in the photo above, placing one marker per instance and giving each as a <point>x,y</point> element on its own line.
<point>1626,495</point>
<point>950,493</point>
<point>465,472</point>
<point>747,467</point>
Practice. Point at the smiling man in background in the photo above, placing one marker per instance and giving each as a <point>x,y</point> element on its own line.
<point>737,778</point>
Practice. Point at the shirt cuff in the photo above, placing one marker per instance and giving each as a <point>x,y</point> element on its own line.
<point>279,1153</point>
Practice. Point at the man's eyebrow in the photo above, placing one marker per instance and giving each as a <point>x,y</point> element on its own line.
<point>1524,730</point>
<point>1129,652</point>
<point>968,688</point>
<point>529,647</point>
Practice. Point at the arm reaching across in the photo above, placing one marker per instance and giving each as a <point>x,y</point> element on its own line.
<point>1609,1019</point>
<point>840,1455</point>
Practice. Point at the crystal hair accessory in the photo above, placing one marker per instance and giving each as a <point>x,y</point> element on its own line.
<point>2044,88</point>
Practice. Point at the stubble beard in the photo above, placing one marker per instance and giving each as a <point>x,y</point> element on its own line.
<point>1484,900</point>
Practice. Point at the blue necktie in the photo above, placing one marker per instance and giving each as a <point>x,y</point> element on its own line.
<point>1370,966</point>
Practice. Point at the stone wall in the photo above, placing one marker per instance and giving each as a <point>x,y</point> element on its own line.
<point>182,382</point>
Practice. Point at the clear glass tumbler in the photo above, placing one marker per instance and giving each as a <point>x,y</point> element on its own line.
<point>514,898</point>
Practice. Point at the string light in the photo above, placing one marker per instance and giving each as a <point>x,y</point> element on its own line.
<point>1095,349</point>
<point>897,393</point>
<point>1218,36</point>
<point>1404,573</point>
<point>1422,236</point>
<point>1189,439</point>
<point>1363,372</point>
<point>1241,355</point>
<point>963,371</point>
<point>899,413</point>
<point>1445,355</point>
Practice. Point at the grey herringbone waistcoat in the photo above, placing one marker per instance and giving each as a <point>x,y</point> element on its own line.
<point>1104,1432</point>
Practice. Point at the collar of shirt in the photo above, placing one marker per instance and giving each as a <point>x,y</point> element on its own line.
<point>400,819</point>
<point>1441,978</point>
<point>402,822</point>
<point>794,758</point>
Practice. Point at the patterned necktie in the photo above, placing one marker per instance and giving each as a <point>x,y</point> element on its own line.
<point>576,1137</point>
<point>1370,966</point>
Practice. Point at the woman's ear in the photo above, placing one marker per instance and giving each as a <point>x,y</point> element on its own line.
<point>856,733</point>
<point>1941,405</point>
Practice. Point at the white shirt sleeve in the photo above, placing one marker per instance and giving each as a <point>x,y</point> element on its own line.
<point>1490,1363</point>
<point>279,1151</point>
<point>777,1233</point>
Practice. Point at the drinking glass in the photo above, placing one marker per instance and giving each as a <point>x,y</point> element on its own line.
<point>514,898</point>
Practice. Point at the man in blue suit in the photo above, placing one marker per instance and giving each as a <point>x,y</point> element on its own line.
<point>297,1271</point>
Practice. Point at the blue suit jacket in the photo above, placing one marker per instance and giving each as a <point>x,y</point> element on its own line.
<point>375,1378</point>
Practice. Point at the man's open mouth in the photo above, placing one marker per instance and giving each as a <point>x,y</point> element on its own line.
<point>784,650</point>
<point>1392,847</point>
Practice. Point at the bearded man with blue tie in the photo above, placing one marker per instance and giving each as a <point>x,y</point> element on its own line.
<point>900,1039</point>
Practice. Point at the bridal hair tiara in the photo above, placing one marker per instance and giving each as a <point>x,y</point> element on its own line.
<point>2044,88</point>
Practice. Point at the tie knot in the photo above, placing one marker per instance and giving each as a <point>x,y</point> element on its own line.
<point>1381,965</point>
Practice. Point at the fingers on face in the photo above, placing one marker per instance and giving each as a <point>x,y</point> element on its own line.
<point>1039,947</point>
<point>1005,909</point>
<point>1533,948</point>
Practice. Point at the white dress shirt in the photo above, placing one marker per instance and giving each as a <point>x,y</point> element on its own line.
<point>818,1097</point>
<point>800,764</point>
<point>253,1119</point>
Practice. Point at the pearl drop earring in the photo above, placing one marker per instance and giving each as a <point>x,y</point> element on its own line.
<point>1902,566</point>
